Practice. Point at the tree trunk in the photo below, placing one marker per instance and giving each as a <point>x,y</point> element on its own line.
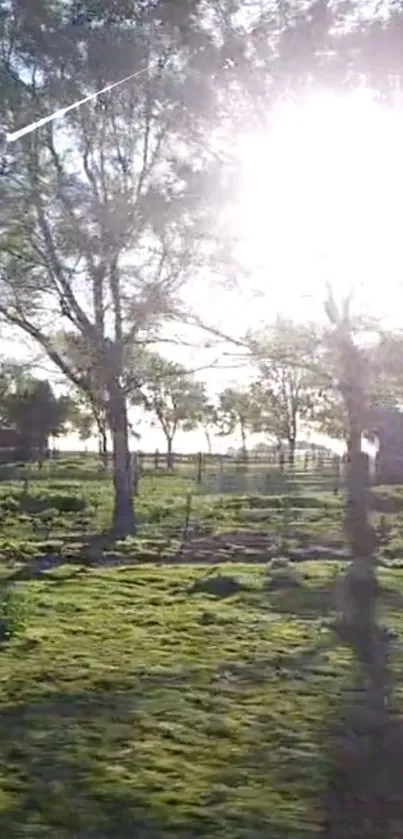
<point>170,454</point>
<point>123,514</point>
<point>291,451</point>
<point>103,445</point>
<point>244,449</point>
<point>359,797</point>
<point>208,441</point>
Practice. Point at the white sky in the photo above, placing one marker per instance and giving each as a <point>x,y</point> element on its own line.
<point>320,201</point>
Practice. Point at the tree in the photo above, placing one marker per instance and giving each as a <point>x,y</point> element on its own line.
<point>289,379</point>
<point>234,414</point>
<point>384,380</point>
<point>329,416</point>
<point>386,370</point>
<point>172,395</point>
<point>82,421</point>
<point>92,399</point>
<point>365,717</point>
<point>108,215</point>
<point>12,375</point>
<point>209,423</point>
<point>34,411</point>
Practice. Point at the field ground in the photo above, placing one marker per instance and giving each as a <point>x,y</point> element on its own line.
<point>60,520</point>
<point>161,698</point>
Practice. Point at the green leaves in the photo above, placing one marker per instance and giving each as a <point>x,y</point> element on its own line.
<point>233,411</point>
<point>289,375</point>
<point>33,410</point>
<point>169,393</point>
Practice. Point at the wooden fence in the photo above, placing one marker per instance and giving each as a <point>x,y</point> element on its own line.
<point>209,473</point>
<point>223,473</point>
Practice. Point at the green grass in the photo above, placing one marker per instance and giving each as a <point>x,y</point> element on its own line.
<point>134,704</point>
<point>141,702</point>
<point>60,518</point>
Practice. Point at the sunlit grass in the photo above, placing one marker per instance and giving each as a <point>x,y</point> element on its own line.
<point>135,706</point>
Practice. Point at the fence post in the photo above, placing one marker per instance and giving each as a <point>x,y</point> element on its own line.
<point>156,460</point>
<point>188,510</point>
<point>337,472</point>
<point>281,460</point>
<point>199,472</point>
<point>306,461</point>
<point>135,461</point>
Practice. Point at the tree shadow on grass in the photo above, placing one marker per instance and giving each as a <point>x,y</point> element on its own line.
<point>61,770</point>
<point>365,744</point>
<point>304,601</point>
<point>64,772</point>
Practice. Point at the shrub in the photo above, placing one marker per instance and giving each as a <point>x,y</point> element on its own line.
<point>10,504</point>
<point>161,513</point>
<point>54,501</point>
<point>386,502</point>
<point>15,607</point>
<point>15,550</point>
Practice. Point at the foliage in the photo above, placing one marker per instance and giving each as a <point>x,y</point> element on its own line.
<point>89,404</point>
<point>328,414</point>
<point>33,410</point>
<point>62,502</point>
<point>103,231</point>
<point>209,421</point>
<point>171,394</point>
<point>15,609</point>
<point>233,413</point>
<point>289,377</point>
<point>386,372</point>
<point>82,421</point>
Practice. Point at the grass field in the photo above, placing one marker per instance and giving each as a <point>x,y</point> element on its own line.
<point>169,698</point>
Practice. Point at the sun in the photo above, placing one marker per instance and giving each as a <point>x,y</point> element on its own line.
<point>321,196</point>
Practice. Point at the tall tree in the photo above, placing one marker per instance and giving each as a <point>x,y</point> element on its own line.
<point>363,753</point>
<point>92,398</point>
<point>233,414</point>
<point>34,411</point>
<point>109,212</point>
<point>381,351</point>
<point>172,396</point>
<point>209,423</point>
<point>289,377</point>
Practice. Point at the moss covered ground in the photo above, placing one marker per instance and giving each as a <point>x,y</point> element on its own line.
<point>164,699</point>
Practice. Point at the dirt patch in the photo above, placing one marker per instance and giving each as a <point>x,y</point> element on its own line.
<point>247,546</point>
<point>233,547</point>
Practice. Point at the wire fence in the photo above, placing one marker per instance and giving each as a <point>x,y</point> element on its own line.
<point>216,474</point>
<point>256,474</point>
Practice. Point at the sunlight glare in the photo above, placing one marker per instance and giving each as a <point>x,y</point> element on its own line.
<point>320,198</point>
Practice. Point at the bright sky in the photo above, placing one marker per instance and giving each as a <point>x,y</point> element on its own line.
<point>319,201</point>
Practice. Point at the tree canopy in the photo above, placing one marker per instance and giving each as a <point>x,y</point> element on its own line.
<point>107,215</point>
<point>175,399</point>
